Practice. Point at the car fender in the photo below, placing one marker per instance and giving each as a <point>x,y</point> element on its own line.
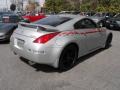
<point>107,33</point>
<point>61,48</point>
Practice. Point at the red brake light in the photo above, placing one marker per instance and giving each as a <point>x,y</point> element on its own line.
<point>45,38</point>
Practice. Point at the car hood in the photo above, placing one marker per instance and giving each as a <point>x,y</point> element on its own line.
<point>5,27</point>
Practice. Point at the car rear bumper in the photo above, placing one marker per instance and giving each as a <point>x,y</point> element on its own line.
<point>44,55</point>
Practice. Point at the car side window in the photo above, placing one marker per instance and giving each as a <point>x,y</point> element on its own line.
<point>85,24</point>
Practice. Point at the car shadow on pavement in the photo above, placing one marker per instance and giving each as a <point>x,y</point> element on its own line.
<point>84,58</point>
<point>40,67</point>
<point>49,69</point>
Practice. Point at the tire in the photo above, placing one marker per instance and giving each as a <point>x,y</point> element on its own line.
<point>68,57</point>
<point>108,41</point>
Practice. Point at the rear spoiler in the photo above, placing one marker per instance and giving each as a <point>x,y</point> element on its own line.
<point>36,26</point>
<point>29,25</point>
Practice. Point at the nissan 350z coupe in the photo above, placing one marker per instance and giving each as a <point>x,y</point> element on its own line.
<point>59,40</point>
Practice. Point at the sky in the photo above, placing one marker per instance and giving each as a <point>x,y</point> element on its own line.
<point>6,3</point>
<point>41,2</point>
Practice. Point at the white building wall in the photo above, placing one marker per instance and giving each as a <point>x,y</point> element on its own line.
<point>5,4</point>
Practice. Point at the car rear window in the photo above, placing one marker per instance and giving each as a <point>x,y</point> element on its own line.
<point>53,20</point>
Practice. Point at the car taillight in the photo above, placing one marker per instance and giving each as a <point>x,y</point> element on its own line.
<point>45,38</point>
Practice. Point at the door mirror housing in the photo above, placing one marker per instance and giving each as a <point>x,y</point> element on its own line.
<point>100,25</point>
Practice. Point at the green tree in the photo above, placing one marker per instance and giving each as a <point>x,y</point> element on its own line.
<point>59,5</point>
<point>109,5</point>
<point>85,5</point>
<point>101,5</point>
<point>32,5</point>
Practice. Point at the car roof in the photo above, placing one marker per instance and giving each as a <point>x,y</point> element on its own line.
<point>66,25</point>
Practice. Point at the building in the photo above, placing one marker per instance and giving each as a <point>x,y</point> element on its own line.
<point>20,4</point>
<point>41,2</point>
<point>5,5</point>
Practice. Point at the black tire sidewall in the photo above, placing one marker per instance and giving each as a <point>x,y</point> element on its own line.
<point>61,66</point>
<point>108,41</point>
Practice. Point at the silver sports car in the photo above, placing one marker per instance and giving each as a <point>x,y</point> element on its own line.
<point>58,40</point>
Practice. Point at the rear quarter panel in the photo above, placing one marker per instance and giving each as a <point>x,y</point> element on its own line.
<point>67,38</point>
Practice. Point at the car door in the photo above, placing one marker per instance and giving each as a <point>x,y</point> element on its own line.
<point>89,29</point>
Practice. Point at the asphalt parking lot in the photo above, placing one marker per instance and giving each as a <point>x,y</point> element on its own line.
<point>97,71</point>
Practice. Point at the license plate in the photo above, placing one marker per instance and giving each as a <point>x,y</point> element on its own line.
<point>20,42</point>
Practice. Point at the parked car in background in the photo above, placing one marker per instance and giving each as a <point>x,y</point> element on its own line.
<point>90,13</point>
<point>33,18</point>
<point>50,13</point>
<point>9,23</point>
<point>69,12</point>
<point>2,13</point>
<point>7,12</point>
<point>11,18</point>
<point>58,40</point>
<point>101,18</point>
<point>114,23</point>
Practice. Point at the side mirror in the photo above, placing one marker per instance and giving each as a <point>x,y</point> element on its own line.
<point>100,24</point>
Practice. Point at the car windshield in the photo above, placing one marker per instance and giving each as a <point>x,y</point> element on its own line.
<point>53,20</point>
<point>117,16</point>
<point>65,12</point>
<point>100,14</point>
